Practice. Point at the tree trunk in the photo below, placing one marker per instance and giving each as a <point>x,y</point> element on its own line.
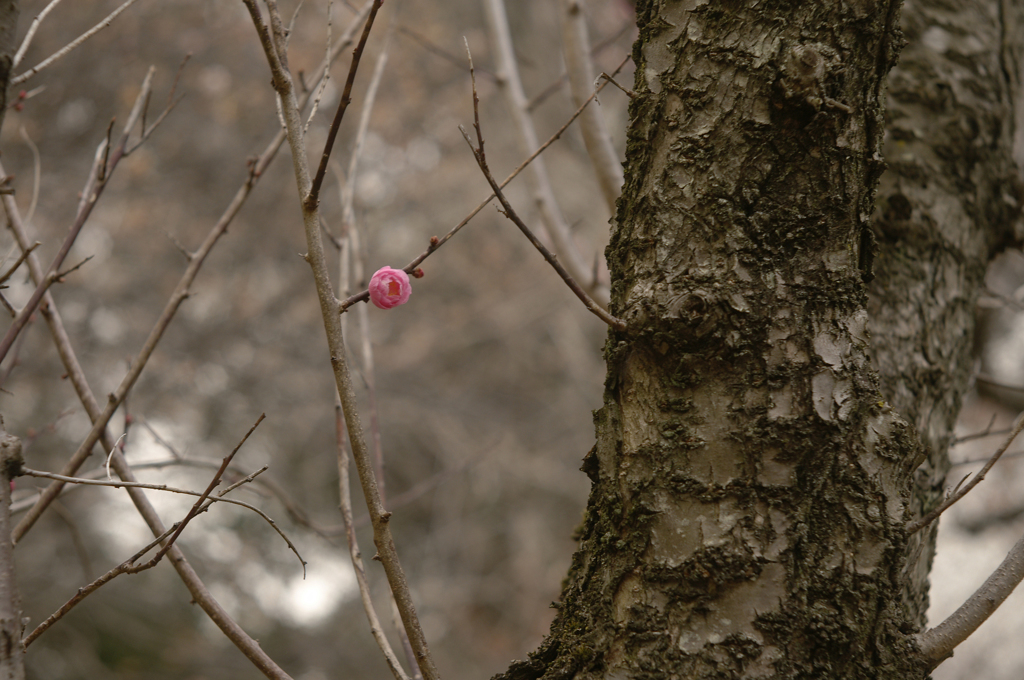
<point>753,472</point>
<point>9,11</point>
<point>948,202</point>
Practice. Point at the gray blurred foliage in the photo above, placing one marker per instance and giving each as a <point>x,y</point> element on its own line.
<point>486,378</point>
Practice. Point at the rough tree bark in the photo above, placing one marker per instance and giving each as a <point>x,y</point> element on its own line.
<point>948,202</point>
<point>757,453</point>
<point>9,11</point>
<point>12,661</point>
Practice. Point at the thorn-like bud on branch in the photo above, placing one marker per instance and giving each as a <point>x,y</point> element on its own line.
<point>418,273</point>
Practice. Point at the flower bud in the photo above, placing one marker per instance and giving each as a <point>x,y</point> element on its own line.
<point>389,288</point>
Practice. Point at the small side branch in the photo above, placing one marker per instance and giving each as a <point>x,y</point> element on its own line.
<point>313,197</point>
<point>922,522</point>
<point>598,141</point>
<point>355,553</point>
<point>509,212</point>
<point>93,192</point>
<point>62,52</point>
<point>84,592</point>
<point>510,83</point>
<point>938,643</point>
<point>17,263</point>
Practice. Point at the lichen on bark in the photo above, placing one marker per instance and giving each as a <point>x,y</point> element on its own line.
<point>750,482</point>
<point>789,363</point>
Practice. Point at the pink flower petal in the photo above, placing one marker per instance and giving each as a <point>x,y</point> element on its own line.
<point>389,288</point>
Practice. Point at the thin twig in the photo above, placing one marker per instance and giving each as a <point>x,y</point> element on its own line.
<point>37,167</point>
<point>99,427</point>
<point>166,540</point>
<point>323,81</point>
<point>429,46</point>
<point>629,93</point>
<point>273,490</point>
<point>94,193</point>
<point>88,590</point>
<point>541,96</point>
<point>58,277</point>
<point>17,263</point>
<point>209,489</point>
<point>61,339</point>
<point>988,431</point>
<point>554,222</point>
<point>115,484</point>
<point>938,643</point>
<point>32,28</point>
<point>313,197</point>
<point>436,242</point>
<point>919,524</point>
<point>604,159</point>
<point>975,461</point>
<point>356,258</point>
<point>481,159</point>
<point>13,312</point>
<point>344,246</point>
<point>994,382</point>
<point>62,52</point>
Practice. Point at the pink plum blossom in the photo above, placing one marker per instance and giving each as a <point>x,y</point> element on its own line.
<point>389,288</point>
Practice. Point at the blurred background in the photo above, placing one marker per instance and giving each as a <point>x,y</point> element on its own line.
<point>486,379</point>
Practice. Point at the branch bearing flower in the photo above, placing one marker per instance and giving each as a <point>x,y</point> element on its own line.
<point>389,288</point>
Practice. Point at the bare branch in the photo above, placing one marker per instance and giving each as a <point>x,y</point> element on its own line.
<point>345,506</point>
<point>17,263</point>
<point>551,216</point>
<point>94,193</point>
<point>198,505</point>
<point>988,431</point>
<point>348,212</point>
<point>332,325</point>
<point>938,643</point>
<point>355,258</point>
<point>88,590</point>
<point>444,54</point>
<point>541,96</point>
<point>598,141</point>
<point>166,539</point>
<point>33,27</point>
<point>198,590</point>
<point>62,52</point>
<point>922,522</point>
<point>84,481</point>
<point>510,213</point>
<point>313,197</point>
<point>629,93</point>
